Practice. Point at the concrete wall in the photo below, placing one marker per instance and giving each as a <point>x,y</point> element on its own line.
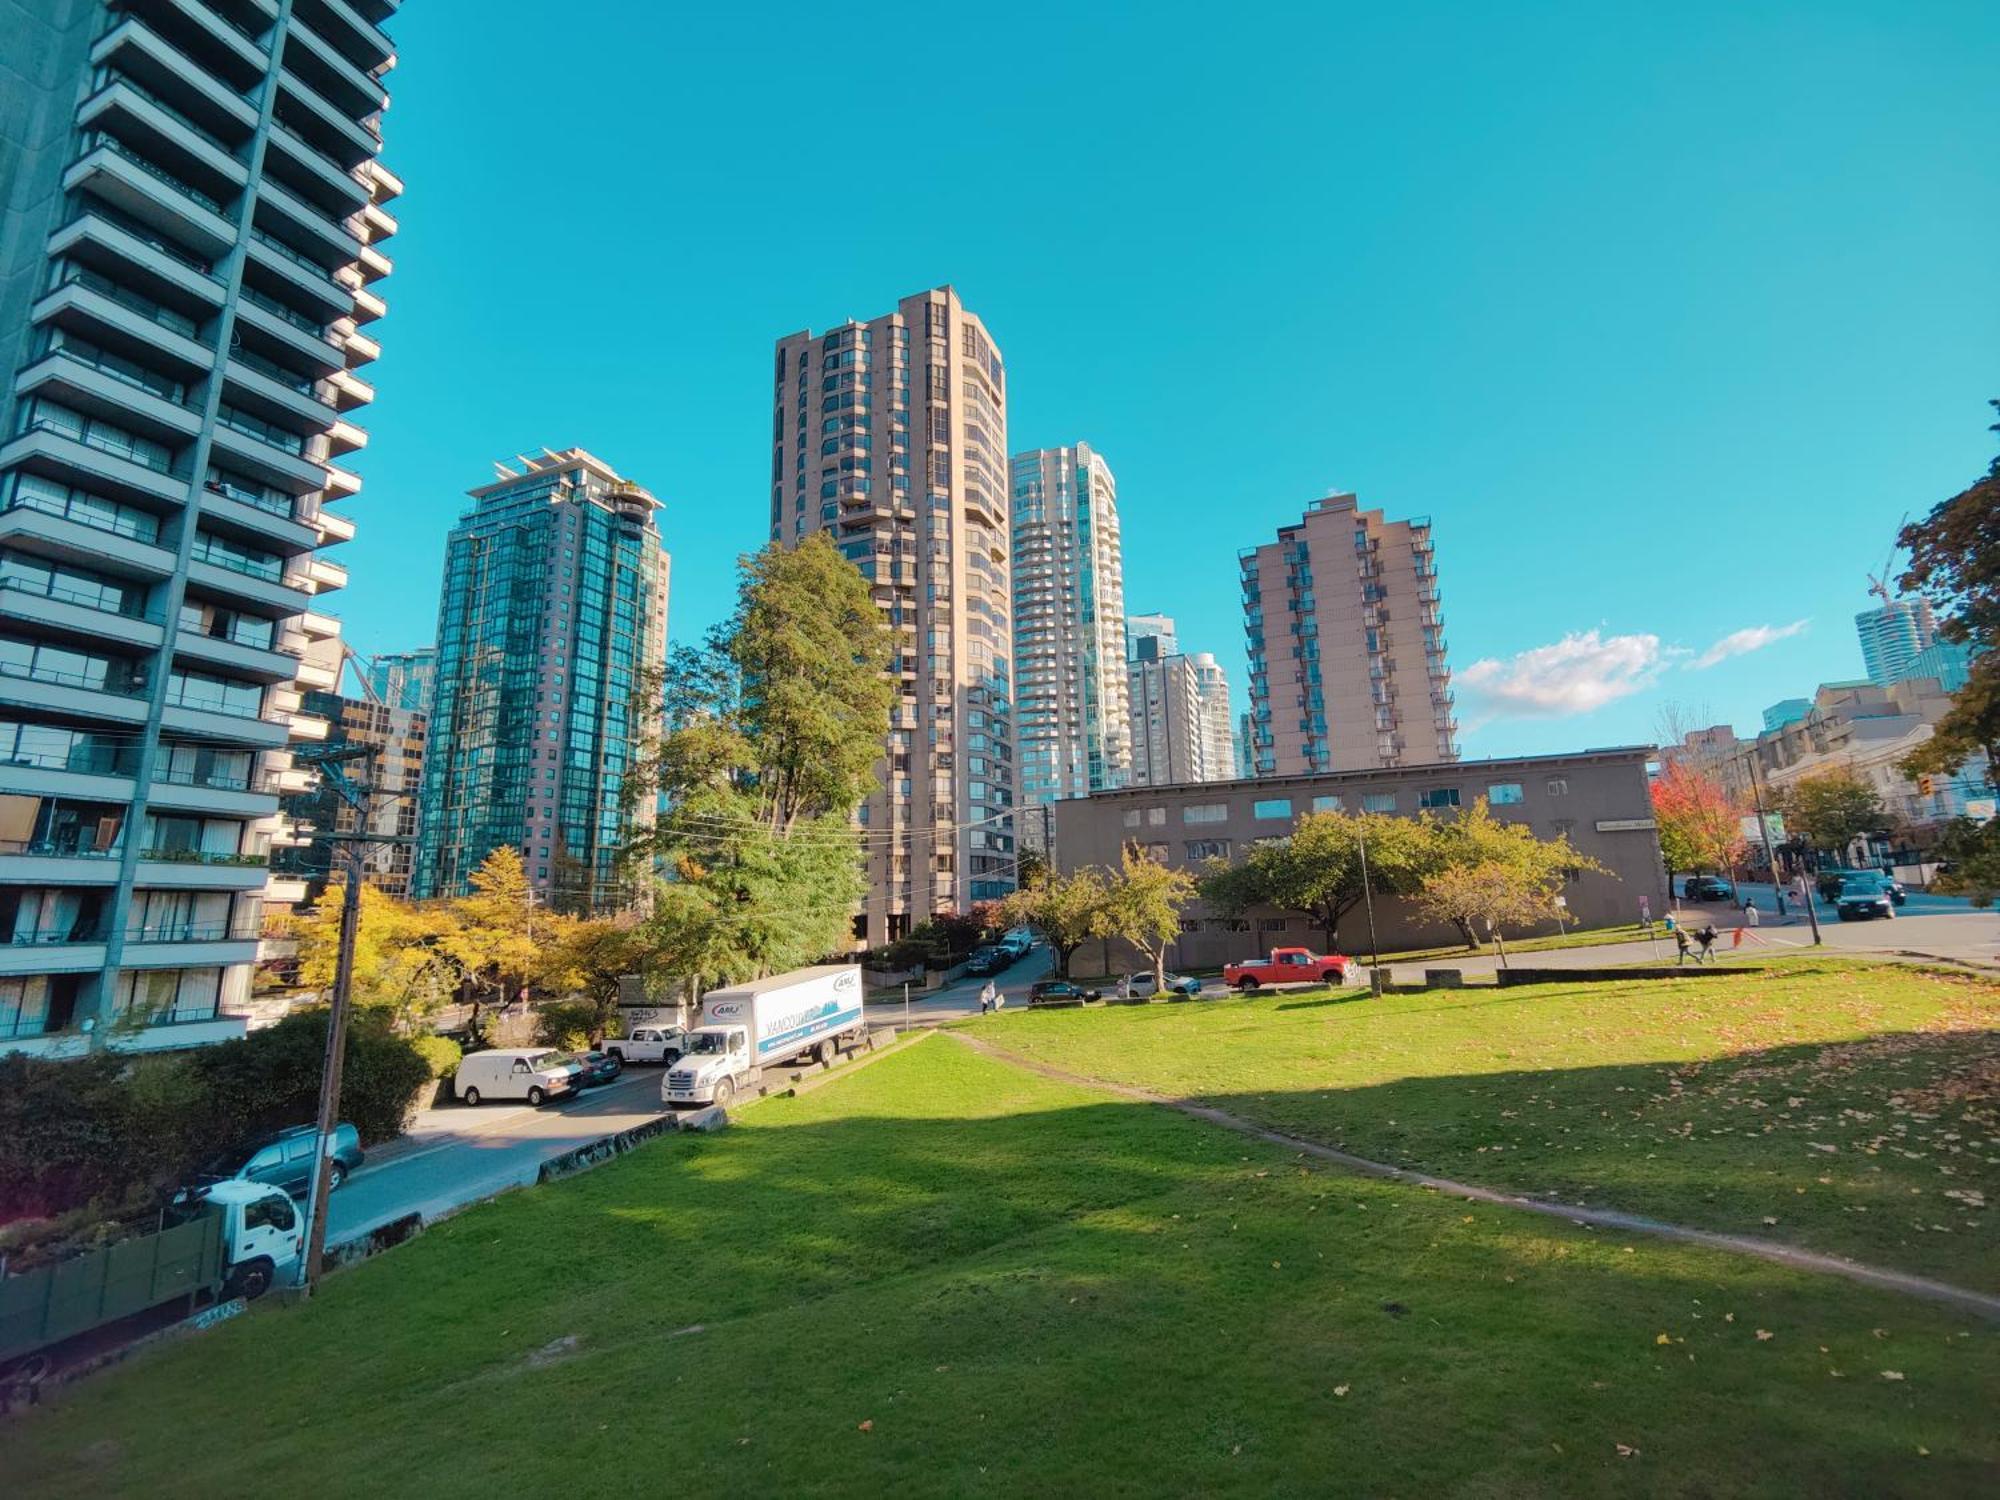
<point>1599,799</point>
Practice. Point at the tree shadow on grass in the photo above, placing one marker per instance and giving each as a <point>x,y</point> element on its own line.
<point>1001,1274</point>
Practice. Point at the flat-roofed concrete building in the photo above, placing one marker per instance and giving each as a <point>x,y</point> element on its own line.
<point>1347,649</point>
<point>891,436</point>
<point>1179,708</point>
<point>1599,799</point>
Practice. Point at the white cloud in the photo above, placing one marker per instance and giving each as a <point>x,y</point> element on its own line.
<point>1576,675</point>
<point>1741,642</point>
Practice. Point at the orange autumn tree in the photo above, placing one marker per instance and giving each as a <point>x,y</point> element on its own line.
<point>1701,827</point>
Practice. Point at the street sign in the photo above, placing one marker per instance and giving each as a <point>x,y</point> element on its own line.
<point>1624,825</point>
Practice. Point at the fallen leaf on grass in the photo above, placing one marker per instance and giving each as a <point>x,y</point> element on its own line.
<point>1664,1339</point>
<point>868,1426</point>
<point>1341,1390</point>
<point>1625,1452</point>
<point>1764,1334</point>
<point>1892,1374</point>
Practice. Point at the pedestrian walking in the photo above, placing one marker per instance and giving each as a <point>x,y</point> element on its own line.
<point>1681,942</point>
<point>1706,937</point>
<point>1751,916</point>
<point>989,998</point>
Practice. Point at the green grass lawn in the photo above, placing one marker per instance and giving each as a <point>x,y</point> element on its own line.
<point>1629,932</point>
<point>1848,1107</point>
<point>948,1276</point>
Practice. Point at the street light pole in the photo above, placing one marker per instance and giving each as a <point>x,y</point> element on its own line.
<point>1368,904</point>
<point>1770,855</point>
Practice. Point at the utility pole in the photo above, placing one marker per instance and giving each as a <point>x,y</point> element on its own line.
<point>1368,903</point>
<point>329,762</point>
<point>1770,855</point>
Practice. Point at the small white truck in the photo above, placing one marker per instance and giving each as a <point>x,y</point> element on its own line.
<point>748,1027</point>
<point>651,1044</point>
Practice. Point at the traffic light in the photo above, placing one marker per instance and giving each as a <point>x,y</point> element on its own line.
<point>1927,784</point>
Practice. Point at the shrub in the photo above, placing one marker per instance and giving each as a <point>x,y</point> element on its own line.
<point>440,1054</point>
<point>567,1024</point>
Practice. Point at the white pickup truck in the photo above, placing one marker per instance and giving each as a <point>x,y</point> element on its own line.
<point>746,1027</point>
<point>652,1044</point>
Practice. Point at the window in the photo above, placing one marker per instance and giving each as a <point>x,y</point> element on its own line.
<point>1132,818</point>
<point>1155,852</point>
<point>274,1212</point>
<point>1272,808</point>
<point>1206,812</point>
<point>1326,804</point>
<point>1207,849</point>
<point>1504,793</point>
<point>1379,802</point>
<point>1558,786</point>
<point>1438,796</point>
<point>1156,817</point>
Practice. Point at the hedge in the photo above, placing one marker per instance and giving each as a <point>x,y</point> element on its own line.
<point>110,1128</point>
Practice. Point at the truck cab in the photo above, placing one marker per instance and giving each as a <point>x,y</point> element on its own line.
<point>715,1064</point>
<point>660,1044</point>
<point>262,1234</point>
<point>1286,966</point>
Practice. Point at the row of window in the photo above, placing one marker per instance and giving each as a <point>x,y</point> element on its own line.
<point>1278,809</point>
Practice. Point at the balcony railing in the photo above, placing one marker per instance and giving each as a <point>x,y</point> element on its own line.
<point>305,385</point>
<point>85,509</point>
<point>106,600</point>
<point>104,286</point>
<point>49,848</point>
<point>263,782</point>
<point>272,571</point>
<point>119,368</point>
<point>262,498</point>
<point>278,309</point>
<point>264,432</point>
<point>120,220</point>
<point>55,937</point>
<point>202,857</point>
<point>115,78</point>
<point>193,932</point>
<point>85,760</point>
<point>203,700</point>
<point>96,139</point>
<point>55,678</point>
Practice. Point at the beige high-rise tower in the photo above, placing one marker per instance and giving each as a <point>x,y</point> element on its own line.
<point>891,435</point>
<point>1347,651</point>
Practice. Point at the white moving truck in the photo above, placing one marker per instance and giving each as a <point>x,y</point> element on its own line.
<point>745,1027</point>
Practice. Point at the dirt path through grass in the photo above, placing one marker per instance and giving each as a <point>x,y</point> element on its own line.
<point>1981,1303</point>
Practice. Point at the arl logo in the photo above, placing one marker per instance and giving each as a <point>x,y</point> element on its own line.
<point>727,1010</point>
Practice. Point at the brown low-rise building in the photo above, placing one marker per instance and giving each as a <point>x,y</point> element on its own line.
<point>1598,798</point>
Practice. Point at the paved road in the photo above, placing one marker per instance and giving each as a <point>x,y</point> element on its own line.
<point>961,998</point>
<point>1920,904</point>
<point>458,1154</point>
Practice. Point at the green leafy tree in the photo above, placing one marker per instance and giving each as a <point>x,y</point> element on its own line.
<point>775,726</point>
<point>1493,894</point>
<point>1973,852</point>
<point>499,932</point>
<point>1143,905</point>
<point>587,959</point>
<point>1832,808</point>
<point>1318,870</point>
<point>1067,910</point>
<point>1955,562</point>
<point>405,955</point>
<point>1511,862</point>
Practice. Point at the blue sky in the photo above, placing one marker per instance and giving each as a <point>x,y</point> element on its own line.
<point>1665,315</point>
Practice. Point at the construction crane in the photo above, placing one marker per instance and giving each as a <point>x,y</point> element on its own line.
<point>1880,586</point>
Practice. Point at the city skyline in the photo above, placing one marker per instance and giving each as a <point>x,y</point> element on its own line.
<point>1590,386</point>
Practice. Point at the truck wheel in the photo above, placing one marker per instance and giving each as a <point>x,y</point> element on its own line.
<point>251,1279</point>
<point>1245,985</point>
<point>536,1094</point>
<point>336,1174</point>
<point>619,1055</point>
<point>470,1096</point>
<point>1335,976</point>
<point>829,1052</point>
<point>725,1090</point>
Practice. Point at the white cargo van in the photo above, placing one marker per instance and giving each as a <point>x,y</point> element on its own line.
<point>744,1027</point>
<point>530,1073</point>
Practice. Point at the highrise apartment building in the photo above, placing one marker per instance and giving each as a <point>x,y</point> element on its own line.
<point>891,436</point>
<point>394,774</point>
<point>1071,716</point>
<point>191,222</point>
<point>402,679</point>
<point>1892,636</point>
<point>553,606</point>
<point>1179,708</point>
<point>1347,650</point>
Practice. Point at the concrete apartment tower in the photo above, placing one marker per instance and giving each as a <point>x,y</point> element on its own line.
<point>1179,708</point>
<point>191,221</point>
<point>1893,636</point>
<point>402,679</point>
<point>1072,716</point>
<point>554,603</point>
<point>1347,651</point>
<point>891,436</point>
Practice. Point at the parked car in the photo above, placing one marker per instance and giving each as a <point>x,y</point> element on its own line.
<point>535,1074</point>
<point>1018,942</point>
<point>280,1160</point>
<point>660,1044</point>
<point>1143,984</point>
<point>1864,896</point>
<point>600,1067</point>
<point>1708,888</point>
<point>988,961</point>
<point>1059,992</point>
<point>1287,966</point>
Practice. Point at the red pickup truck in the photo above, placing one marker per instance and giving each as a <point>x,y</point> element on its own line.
<point>1287,966</point>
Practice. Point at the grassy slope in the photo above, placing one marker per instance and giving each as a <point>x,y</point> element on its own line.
<point>1709,1102</point>
<point>1027,1288</point>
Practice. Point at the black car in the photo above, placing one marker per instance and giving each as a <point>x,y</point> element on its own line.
<point>1709,888</point>
<point>1059,992</point>
<point>599,1067</point>
<point>987,961</point>
<point>1865,896</point>
<point>284,1160</point>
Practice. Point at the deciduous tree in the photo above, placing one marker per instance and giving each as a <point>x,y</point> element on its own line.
<point>1142,905</point>
<point>1516,874</point>
<point>1700,826</point>
<point>1493,894</point>
<point>1832,808</point>
<point>1067,910</point>
<point>1318,869</point>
